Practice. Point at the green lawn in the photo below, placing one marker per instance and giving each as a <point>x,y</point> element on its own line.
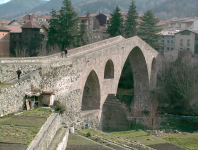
<point>140,136</point>
<point>188,141</point>
<point>22,128</point>
<point>4,85</point>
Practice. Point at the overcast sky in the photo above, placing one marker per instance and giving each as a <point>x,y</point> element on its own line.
<point>5,1</point>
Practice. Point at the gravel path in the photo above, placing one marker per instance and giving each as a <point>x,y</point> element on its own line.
<point>166,146</point>
<point>76,142</point>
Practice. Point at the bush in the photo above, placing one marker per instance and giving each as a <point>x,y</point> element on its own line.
<point>59,107</point>
<point>88,134</point>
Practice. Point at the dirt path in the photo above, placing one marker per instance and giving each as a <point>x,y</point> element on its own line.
<point>7,146</point>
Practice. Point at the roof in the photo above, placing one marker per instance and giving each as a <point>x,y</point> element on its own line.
<point>13,28</point>
<point>189,20</point>
<point>194,31</point>
<point>91,15</point>
<point>169,32</point>
<point>2,28</point>
<point>30,24</point>
<point>30,94</point>
<point>3,21</point>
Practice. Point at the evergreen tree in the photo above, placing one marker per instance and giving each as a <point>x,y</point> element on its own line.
<point>149,30</point>
<point>131,23</point>
<point>115,24</point>
<point>63,26</point>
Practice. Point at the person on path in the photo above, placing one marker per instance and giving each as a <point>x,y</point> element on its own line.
<point>19,74</point>
<point>65,50</point>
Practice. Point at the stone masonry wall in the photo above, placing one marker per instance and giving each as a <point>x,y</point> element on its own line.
<point>8,71</point>
<point>12,97</point>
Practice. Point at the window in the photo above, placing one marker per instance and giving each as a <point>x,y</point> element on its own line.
<point>171,48</point>
<point>167,48</point>
<point>188,48</point>
<point>168,41</point>
<point>181,42</point>
<point>163,41</point>
<point>171,41</point>
<point>188,42</point>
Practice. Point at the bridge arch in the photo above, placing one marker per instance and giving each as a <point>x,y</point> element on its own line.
<point>109,70</point>
<point>91,92</point>
<point>140,78</point>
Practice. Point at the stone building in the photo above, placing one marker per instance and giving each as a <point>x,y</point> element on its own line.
<point>168,40</point>
<point>25,40</point>
<point>187,40</point>
<point>96,26</point>
<point>4,41</point>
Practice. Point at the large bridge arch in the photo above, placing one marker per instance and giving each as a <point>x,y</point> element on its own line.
<point>91,92</point>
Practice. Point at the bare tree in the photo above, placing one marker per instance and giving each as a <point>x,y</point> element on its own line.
<point>21,52</point>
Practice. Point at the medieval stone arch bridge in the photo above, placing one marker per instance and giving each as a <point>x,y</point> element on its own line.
<point>90,75</point>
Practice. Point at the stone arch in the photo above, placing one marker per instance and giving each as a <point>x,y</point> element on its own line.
<point>109,70</point>
<point>91,92</point>
<point>141,79</point>
<point>153,78</point>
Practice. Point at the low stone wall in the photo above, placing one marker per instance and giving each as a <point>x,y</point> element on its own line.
<point>12,98</point>
<point>63,144</point>
<point>46,134</point>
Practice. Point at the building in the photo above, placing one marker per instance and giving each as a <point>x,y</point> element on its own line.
<point>168,40</point>
<point>96,26</point>
<point>26,40</point>
<point>187,40</point>
<point>4,41</point>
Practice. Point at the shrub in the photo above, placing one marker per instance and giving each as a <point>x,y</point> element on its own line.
<point>59,107</point>
<point>88,134</point>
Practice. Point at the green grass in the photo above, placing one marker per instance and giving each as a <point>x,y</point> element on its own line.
<point>4,85</point>
<point>22,128</point>
<point>140,136</point>
<point>38,112</point>
<point>188,141</point>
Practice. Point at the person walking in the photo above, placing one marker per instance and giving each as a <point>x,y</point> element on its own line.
<point>65,50</point>
<point>18,73</point>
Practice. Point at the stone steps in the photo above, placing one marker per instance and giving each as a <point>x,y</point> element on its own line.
<point>113,115</point>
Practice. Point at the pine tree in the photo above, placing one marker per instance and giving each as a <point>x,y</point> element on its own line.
<point>131,23</point>
<point>115,24</point>
<point>63,26</point>
<point>149,30</point>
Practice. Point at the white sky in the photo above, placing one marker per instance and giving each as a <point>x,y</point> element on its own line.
<point>3,1</point>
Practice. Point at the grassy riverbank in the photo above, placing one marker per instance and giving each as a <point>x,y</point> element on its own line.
<point>186,140</point>
<point>22,128</point>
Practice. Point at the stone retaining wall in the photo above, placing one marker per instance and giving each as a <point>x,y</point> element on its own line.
<point>12,98</point>
<point>46,134</point>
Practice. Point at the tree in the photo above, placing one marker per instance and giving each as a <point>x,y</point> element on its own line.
<point>131,23</point>
<point>83,38</point>
<point>115,24</point>
<point>149,30</point>
<point>63,26</point>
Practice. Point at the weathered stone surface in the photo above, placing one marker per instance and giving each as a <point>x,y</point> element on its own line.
<point>67,77</point>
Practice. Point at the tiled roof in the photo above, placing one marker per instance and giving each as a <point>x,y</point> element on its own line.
<point>30,24</point>
<point>189,20</point>
<point>13,28</point>
<point>4,21</point>
<point>2,28</point>
<point>194,31</point>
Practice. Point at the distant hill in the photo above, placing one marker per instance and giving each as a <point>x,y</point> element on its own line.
<point>162,8</point>
<point>16,8</point>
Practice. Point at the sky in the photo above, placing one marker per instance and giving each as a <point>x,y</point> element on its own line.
<point>5,1</point>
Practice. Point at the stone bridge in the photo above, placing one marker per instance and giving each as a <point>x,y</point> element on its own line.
<point>87,80</point>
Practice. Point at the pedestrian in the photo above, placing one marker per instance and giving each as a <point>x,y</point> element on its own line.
<point>65,50</point>
<point>18,73</point>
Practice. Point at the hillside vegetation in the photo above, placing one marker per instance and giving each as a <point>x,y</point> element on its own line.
<point>162,8</point>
